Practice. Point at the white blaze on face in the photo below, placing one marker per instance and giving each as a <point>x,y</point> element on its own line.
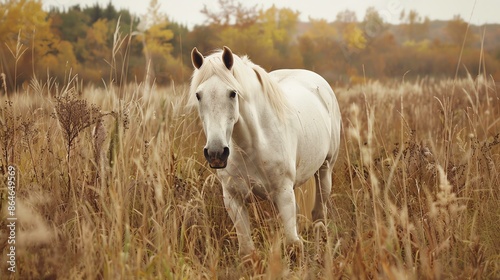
<point>218,110</point>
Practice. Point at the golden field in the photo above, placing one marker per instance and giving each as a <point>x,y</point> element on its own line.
<point>112,184</point>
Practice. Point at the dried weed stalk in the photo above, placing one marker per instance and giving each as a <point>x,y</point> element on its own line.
<point>7,133</point>
<point>74,115</point>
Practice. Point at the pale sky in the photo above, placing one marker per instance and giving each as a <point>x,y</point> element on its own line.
<point>188,11</point>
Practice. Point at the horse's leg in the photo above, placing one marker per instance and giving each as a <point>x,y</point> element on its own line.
<point>237,210</point>
<point>323,178</point>
<point>286,204</point>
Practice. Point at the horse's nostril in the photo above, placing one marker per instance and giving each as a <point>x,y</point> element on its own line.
<point>216,157</point>
<point>205,153</point>
<point>225,154</point>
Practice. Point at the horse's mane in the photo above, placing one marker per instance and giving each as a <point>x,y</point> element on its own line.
<point>239,78</point>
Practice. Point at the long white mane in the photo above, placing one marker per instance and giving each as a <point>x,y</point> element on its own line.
<point>244,77</point>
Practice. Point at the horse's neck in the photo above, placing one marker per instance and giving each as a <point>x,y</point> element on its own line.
<point>257,122</point>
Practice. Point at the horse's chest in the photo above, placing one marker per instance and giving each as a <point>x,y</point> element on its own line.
<point>261,179</point>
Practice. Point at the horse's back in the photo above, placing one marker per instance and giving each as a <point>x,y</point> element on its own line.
<point>300,84</point>
<point>311,82</point>
<point>316,110</point>
<point>300,75</point>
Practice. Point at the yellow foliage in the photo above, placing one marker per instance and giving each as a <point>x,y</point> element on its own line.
<point>26,40</point>
<point>354,37</point>
<point>26,19</point>
<point>419,46</point>
<point>98,33</point>
<point>22,16</point>
<point>320,29</point>
<point>95,46</point>
<point>66,54</point>
<point>157,39</point>
<point>278,23</point>
<point>268,41</point>
<point>49,60</point>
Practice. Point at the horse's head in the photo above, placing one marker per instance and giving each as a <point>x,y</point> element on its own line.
<point>217,103</point>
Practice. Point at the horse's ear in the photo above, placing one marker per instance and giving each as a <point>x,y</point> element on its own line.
<point>227,57</point>
<point>196,58</point>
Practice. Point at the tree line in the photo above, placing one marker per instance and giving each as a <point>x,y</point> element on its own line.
<point>103,45</point>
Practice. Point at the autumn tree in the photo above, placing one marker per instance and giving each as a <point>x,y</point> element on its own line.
<point>373,24</point>
<point>231,23</point>
<point>94,50</point>
<point>265,35</point>
<point>156,36</point>
<point>83,39</point>
<point>415,27</point>
<point>347,16</point>
<point>278,27</point>
<point>457,31</point>
<point>204,37</point>
<point>353,38</point>
<point>380,44</point>
<point>231,12</point>
<point>318,45</point>
<point>27,41</point>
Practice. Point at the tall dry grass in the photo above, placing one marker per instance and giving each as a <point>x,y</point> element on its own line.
<point>422,165</point>
<point>415,187</point>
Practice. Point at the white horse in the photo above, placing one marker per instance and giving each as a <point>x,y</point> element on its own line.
<point>267,133</point>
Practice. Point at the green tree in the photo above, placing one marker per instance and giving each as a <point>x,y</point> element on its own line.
<point>94,13</point>
<point>181,44</point>
<point>70,25</point>
<point>110,12</point>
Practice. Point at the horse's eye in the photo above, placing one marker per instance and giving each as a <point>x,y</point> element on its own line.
<point>198,96</point>
<point>232,94</point>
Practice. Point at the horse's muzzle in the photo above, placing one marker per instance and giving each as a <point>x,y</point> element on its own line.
<point>216,158</point>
